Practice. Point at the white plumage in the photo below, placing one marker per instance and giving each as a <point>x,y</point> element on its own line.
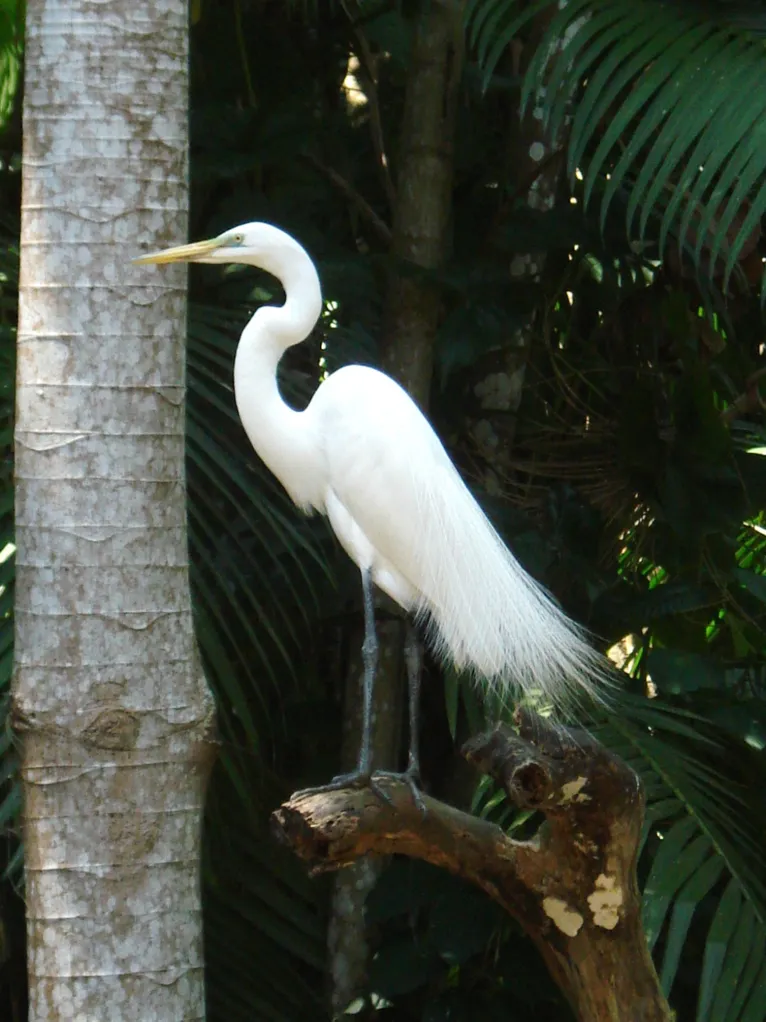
<point>398,505</point>
<point>363,454</point>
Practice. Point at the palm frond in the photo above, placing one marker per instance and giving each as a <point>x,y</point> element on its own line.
<point>662,106</point>
<point>264,917</point>
<point>706,856</point>
<point>11,48</point>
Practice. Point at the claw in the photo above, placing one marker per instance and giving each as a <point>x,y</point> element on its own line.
<point>356,779</point>
<point>381,793</point>
<point>360,779</point>
<point>410,777</point>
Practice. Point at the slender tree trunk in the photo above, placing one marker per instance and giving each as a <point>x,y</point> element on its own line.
<point>538,162</point>
<point>347,930</point>
<point>422,211</point>
<point>110,703</point>
<point>424,195</point>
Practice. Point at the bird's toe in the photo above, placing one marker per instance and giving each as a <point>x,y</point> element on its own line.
<point>410,777</point>
<point>356,779</point>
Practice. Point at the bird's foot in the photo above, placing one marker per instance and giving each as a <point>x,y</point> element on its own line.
<point>355,779</point>
<point>410,777</point>
<point>363,779</point>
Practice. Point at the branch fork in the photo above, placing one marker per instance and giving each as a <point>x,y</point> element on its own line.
<point>572,887</point>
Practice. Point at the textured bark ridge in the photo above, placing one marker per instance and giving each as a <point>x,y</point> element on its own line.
<point>110,702</point>
<point>572,887</point>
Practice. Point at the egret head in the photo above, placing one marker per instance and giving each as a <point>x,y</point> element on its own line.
<point>256,244</point>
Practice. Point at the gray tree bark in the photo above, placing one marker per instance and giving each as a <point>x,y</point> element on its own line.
<point>110,703</point>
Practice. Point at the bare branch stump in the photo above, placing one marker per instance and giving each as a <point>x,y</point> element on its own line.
<point>572,887</point>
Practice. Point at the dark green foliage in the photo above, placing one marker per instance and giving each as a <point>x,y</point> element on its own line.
<point>661,105</point>
<point>11,33</point>
<point>660,552</point>
<point>444,950</point>
<point>636,488</point>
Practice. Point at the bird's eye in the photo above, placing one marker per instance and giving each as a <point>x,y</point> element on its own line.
<point>236,239</point>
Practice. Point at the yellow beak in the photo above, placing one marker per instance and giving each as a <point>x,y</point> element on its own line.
<point>181,253</point>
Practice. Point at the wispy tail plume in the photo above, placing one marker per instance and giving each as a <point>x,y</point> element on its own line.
<point>486,613</point>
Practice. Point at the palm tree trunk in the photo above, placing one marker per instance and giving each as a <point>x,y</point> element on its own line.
<point>110,701</point>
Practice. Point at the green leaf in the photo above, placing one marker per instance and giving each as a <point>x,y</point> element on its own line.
<point>676,860</point>
<point>721,930</point>
<point>737,955</point>
<point>754,1011</point>
<point>684,907</point>
<point>400,967</point>
<point>671,115</point>
<point>755,584</point>
<point>755,962</point>
<point>674,671</point>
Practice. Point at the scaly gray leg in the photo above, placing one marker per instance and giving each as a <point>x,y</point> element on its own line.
<point>360,777</point>
<point>370,661</point>
<point>413,659</point>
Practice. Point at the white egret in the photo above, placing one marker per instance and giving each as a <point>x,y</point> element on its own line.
<point>363,454</point>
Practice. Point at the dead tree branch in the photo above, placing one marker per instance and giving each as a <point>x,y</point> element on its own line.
<point>572,887</point>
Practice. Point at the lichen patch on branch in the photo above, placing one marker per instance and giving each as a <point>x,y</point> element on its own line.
<point>606,901</point>
<point>572,887</point>
<point>564,917</point>
<point>572,791</point>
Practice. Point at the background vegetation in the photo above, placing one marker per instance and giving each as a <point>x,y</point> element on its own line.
<point>630,475</point>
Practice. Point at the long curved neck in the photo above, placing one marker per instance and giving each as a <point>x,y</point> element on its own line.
<point>277,432</point>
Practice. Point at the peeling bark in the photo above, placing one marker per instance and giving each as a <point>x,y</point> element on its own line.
<point>572,887</point>
<point>110,703</point>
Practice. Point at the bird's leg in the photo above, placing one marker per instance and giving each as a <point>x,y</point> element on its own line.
<point>370,662</point>
<point>413,659</point>
<point>361,776</point>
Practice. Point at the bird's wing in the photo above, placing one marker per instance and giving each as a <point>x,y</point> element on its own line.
<point>389,471</point>
<point>388,468</point>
